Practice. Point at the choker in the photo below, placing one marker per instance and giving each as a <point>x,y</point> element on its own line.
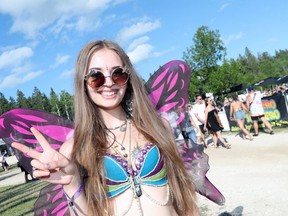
<point>122,127</point>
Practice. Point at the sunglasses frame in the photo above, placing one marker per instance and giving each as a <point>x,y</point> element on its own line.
<point>93,71</point>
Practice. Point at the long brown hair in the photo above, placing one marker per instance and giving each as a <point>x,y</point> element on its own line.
<point>90,141</point>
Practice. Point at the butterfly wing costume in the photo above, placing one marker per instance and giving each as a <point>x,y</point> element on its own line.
<point>167,89</point>
<point>15,127</point>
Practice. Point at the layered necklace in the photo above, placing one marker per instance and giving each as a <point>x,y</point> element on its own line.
<point>122,127</point>
<point>115,144</point>
<point>137,190</point>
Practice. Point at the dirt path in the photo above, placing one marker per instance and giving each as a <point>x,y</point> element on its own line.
<point>253,176</point>
<point>12,177</point>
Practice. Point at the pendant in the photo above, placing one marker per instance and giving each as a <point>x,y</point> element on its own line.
<point>135,152</point>
<point>137,188</point>
<point>123,129</point>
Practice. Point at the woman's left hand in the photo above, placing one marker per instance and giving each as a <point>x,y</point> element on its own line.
<point>49,165</point>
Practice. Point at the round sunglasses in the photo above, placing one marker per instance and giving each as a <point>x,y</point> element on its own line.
<point>96,78</point>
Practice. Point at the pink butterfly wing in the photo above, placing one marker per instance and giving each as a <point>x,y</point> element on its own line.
<point>15,126</point>
<point>168,89</point>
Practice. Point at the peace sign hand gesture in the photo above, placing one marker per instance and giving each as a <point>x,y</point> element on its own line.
<point>50,165</point>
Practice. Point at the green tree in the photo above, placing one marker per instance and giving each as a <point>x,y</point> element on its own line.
<point>66,104</point>
<point>54,102</point>
<point>46,103</point>
<point>250,67</point>
<point>203,57</point>
<point>22,101</point>
<point>281,62</point>
<point>4,104</point>
<point>266,65</point>
<point>226,76</point>
<point>37,99</point>
<point>12,102</point>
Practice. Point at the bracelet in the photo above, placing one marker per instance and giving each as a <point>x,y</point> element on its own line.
<point>75,196</point>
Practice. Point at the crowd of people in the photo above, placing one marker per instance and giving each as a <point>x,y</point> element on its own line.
<point>283,88</point>
<point>205,115</point>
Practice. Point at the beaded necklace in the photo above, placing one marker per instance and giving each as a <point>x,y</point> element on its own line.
<point>137,190</point>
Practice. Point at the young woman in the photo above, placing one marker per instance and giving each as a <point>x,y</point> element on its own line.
<point>122,159</point>
<point>237,111</point>
<point>213,123</point>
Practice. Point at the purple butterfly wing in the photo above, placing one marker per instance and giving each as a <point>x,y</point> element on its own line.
<point>15,127</point>
<point>51,201</point>
<point>168,90</point>
<point>196,162</point>
<point>166,86</point>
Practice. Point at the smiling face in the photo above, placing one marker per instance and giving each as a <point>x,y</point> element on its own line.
<point>109,95</point>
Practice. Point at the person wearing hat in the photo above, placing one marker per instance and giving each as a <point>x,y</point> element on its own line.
<point>254,105</point>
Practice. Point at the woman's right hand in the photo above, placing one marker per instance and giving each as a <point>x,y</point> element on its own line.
<point>49,165</point>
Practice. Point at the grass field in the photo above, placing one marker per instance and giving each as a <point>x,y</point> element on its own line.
<point>19,199</point>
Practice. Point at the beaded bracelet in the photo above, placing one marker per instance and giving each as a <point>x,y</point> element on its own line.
<point>75,196</point>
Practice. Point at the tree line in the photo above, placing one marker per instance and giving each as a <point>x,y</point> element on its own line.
<point>61,105</point>
<point>211,72</point>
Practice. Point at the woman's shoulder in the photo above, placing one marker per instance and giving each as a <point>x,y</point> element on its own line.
<point>67,147</point>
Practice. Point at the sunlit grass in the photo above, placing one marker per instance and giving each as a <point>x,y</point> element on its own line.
<point>19,199</point>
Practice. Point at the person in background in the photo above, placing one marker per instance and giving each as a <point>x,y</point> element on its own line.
<point>26,173</point>
<point>199,112</point>
<point>197,129</point>
<point>3,161</point>
<point>189,128</point>
<point>213,123</point>
<point>226,102</point>
<point>117,131</point>
<point>237,112</point>
<point>254,105</point>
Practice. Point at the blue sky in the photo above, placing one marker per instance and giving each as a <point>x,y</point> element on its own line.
<point>40,40</point>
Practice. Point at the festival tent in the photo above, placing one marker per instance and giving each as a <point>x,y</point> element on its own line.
<point>283,79</point>
<point>267,81</point>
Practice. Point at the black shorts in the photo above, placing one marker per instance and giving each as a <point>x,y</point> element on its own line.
<point>255,118</point>
<point>202,128</point>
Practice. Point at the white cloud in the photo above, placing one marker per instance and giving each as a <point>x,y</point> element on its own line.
<point>67,74</point>
<point>60,59</point>
<point>137,29</point>
<point>140,53</point>
<point>223,6</point>
<point>30,16</point>
<point>138,42</point>
<point>273,39</point>
<point>15,79</point>
<point>15,57</point>
<point>233,37</point>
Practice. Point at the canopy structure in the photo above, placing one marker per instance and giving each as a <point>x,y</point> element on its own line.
<point>267,81</point>
<point>283,79</point>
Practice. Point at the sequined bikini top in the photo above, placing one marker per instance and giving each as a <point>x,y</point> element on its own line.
<point>151,171</point>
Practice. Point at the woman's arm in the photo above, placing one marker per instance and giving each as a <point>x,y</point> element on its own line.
<point>193,123</point>
<point>244,107</point>
<point>206,119</point>
<point>231,110</point>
